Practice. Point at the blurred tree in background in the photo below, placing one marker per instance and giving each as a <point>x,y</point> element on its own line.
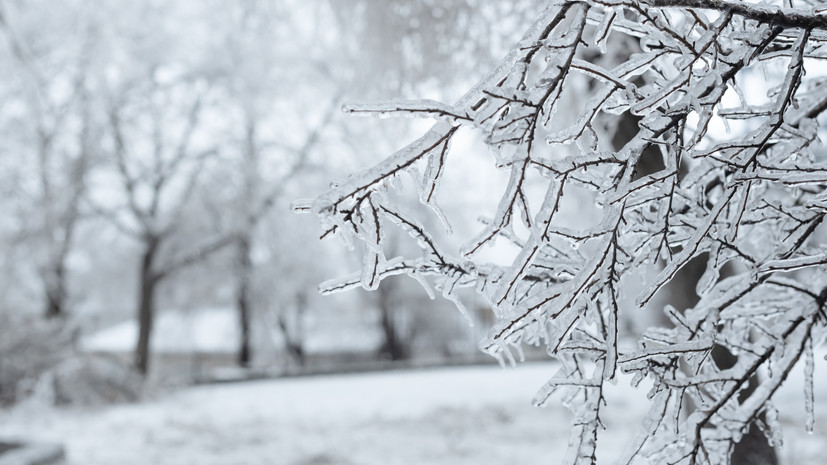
<point>150,152</point>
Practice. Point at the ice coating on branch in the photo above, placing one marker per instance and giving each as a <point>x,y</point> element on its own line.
<point>643,133</point>
<point>434,169</point>
<point>370,269</point>
<point>601,33</point>
<point>421,108</point>
<point>792,264</point>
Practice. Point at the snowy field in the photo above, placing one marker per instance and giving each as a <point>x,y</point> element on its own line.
<point>450,416</point>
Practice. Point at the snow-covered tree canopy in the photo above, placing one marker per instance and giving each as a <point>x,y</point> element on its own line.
<point>725,99</point>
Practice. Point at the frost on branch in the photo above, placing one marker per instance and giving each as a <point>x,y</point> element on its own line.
<point>728,96</point>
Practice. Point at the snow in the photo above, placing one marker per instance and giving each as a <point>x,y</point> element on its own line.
<point>208,330</point>
<point>442,416</point>
<point>331,338</point>
<point>449,416</point>
<point>215,330</point>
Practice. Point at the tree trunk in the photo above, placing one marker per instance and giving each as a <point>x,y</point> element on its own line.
<point>393,347</point>
<point>243,300</point>
<point>294,333</point>
<point>753,449</point>
<point>146,304</point>
<point>55,279</point>
<point>245,241</point>
<point>55,284</point>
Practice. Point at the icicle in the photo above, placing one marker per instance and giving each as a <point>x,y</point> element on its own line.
<point>370,269</point>
<point>809,397</point>
<point>601,33</point>
<point>588,141</point>
<point>443,219</point>
<point>503,351</point>
<point>708,279</point>
<point>424,283</point>
<point>430,182</point>
<point>450,294</point>
<point>520,352</point>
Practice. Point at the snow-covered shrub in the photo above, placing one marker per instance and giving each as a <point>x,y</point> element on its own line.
<point>726,97</point>
<point>29,348</point>
<point>91,381</point>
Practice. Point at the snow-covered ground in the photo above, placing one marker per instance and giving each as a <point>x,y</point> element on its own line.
<point>449,416</point>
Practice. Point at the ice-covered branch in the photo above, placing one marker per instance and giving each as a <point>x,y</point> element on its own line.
<point>785,17</point>
<point>639,134</point>
<point>424,108</point>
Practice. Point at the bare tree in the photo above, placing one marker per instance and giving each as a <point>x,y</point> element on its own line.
<point>158,182</point>
<point>252,73</point>
<point>255,204</point>
<point>58,134</point>
<point>292,328</point>
<point>750,194</point>
<point>62,211</point>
